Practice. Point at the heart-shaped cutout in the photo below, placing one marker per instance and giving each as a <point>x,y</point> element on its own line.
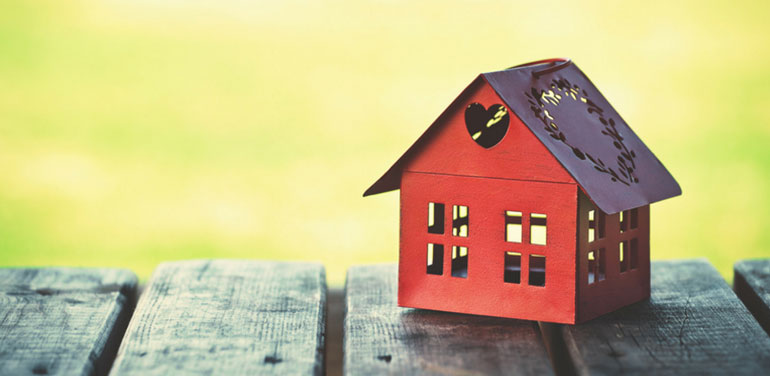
<point>486,126</point>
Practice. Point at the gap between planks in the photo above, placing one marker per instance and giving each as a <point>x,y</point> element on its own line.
<point>752,285</point>
<point>62,320</point>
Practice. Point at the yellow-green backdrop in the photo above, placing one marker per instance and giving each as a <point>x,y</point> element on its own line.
<point>138,131</point>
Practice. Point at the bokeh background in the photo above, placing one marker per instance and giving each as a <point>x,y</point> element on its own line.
<point>138,131</point>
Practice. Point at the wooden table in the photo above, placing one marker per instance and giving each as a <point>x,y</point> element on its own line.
<point>234,317</point>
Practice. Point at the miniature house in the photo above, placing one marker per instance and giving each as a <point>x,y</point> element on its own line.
<point>527,198</point>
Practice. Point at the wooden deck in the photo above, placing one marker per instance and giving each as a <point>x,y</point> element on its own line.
<point>238,317</point>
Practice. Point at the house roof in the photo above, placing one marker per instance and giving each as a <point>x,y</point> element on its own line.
<point>572,119</point>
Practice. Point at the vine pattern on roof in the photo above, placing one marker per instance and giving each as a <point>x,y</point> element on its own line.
<point>560,89</point>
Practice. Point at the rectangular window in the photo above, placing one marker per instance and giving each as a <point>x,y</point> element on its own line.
<point>513,226</point>
<point>459,261</point>
<point>634,254</point>
<point>600,257</point>
<point>596,266</point>
<point>537,270</point>
<point>435,218</point>
<point>460,221</point>
<point>537,228</point>
<point>623,224</point>
<point>629,219</point>
<point>634,218</point>
<point>435,259</point>
<point>512,273</point>
<point>623,255</point>
<point>623,221</point>
<point>595,225</point>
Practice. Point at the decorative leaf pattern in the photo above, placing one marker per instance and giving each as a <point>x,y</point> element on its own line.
<point>540,100</point>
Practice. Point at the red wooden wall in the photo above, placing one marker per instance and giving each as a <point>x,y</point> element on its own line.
<point>619,288</point>
<point>484,292</point>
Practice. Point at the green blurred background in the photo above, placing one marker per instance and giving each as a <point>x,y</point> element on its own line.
<point>133,132</point>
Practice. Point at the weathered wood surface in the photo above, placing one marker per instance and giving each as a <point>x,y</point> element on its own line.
<point>63,321</point>
<point>752,284</point>
<point>692,324</point>
<point>381,338</point>
<point>227,317</point>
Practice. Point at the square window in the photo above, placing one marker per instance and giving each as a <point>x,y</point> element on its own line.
<point>634,254</point>
<point>435,218</point>
<point>435,259</point>
<point>623,255</point>
<point>537,270</point>
<point>459,261</point>
<point>512,272</point>
<point>537,228</point>
<point>460,221</point>
<point>513,226</point>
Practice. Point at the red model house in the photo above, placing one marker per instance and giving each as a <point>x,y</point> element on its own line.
<point>527,198</point>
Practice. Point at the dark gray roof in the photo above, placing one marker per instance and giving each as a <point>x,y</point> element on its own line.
<point>569,115</point>
<point>572,119</point>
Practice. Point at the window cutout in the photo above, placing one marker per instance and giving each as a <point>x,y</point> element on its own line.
<point>537,228</point>
<point>634,218</point>
<point>623,221</point>
<point>513,226</point>
<point>600,224</point>
<point>435,259</point>
<point>595,225</point>
<point>512,273</point>
<point>459,261</point>
<point>601,264</point>
<point>537,270</point>
<point>623,255</point>
<point>634,254</point>
<point>435,218</point>
<point>596,266</point>
<point>460,221</point>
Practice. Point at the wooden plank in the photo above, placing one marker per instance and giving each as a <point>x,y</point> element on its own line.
<point>229,317</point>
<point>752,285</point>
<point>63,321</point>
<point>382,338</point>
<point>692,324</point>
